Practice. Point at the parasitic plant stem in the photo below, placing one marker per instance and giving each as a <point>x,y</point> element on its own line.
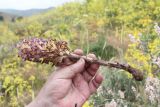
<point>48,50</point>
<point>138,75</point>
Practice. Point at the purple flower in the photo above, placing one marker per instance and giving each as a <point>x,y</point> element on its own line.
<point>157,29</point>
<point>156,60</point>
<point>132,38</point>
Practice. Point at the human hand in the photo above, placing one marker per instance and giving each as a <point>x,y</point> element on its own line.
<point>70,85</point>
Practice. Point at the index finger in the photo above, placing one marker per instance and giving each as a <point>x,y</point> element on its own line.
<point>91,69</point>
<point>66,61</point>
<point>78,52</point>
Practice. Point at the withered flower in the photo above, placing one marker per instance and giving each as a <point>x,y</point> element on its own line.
<point>42,50</point>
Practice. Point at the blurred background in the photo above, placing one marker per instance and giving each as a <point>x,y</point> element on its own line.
<point>125,31</point>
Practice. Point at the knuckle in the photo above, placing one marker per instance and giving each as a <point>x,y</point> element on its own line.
<point>92,56</point>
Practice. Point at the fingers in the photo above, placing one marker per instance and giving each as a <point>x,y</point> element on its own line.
<point>81,85</point>
<point>69,72</point>
<point>78,52</point>
<point>66,61</point>
<point>91,69</point>
<point>92,56</point>
<point>95,83</point>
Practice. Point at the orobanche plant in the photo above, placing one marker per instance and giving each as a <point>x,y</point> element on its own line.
<point>53,51</point>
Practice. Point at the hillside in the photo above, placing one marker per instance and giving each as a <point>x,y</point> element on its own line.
<point>8,17</point>
<point>25,13</point>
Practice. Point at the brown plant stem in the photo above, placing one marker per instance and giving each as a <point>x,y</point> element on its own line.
<point>137,74</point>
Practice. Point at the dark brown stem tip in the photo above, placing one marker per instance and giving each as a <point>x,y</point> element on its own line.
<point>138,75</point>
<point>138,78</point>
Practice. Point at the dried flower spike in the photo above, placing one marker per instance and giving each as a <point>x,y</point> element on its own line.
<point>42,50</point>
<point>48,50</point>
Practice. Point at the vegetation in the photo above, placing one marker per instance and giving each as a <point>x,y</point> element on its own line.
<point>1,18</point>
<point>97,26</point>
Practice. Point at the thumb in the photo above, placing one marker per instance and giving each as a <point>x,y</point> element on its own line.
<point>70,71</point>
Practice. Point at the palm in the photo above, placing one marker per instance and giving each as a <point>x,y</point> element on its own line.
<point>75,91</point>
